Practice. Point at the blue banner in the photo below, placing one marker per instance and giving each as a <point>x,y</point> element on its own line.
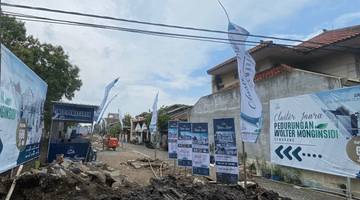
<point>22,97</point>
<point>74,151</point>
<point>184,144</point>
<point>73,113</point>
<point>200,149</point>
<point>226,158</point>
<point>172,139</point>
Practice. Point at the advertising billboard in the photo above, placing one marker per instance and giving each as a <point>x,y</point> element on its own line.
<point>184,144</point>
<point>318,132</point>
<point>22,99</point>
<point>226,159</point>
<point>172,139</point>
<point>200,149</point>
<point>73,113</point>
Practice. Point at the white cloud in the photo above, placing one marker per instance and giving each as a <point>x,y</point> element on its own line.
<point>103,55</point>
<point>344,19</point>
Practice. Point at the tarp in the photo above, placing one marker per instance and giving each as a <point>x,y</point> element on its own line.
<point>23,95</point>
<point>317,132</point>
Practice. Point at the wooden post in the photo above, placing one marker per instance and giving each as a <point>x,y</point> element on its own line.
<point>174,166</point>
<point>244,163</point>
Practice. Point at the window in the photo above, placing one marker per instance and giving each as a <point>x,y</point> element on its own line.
<point>236,76</point>
<point>219,87</point>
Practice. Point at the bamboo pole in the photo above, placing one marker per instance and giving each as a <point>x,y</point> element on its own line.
<point>14,183</point>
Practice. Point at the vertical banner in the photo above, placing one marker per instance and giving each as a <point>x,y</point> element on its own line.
<point>153,122</point>
<point>120,119</point>
<point>172,139</point>
<point>107,106</point>
<point>107,90</point>
<point>251,108</point>
<point>226,158</point>
<point>22,97</point>
<point>200,149</point>
<point>184,144</point>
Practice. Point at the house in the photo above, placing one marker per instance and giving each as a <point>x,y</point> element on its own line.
<point>285,71</point>
<point>337,55</point>
<point>139,130</point>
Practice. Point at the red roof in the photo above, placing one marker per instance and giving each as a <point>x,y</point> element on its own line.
<point>281,69</point>
<point>326,38</point>
<point>333,36</point>
<point>256,48</point>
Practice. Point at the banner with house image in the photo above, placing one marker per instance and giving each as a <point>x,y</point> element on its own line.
<point>226,158</point>
<point>22,99</point>
<point>200,149</point>
<point>184,144</point>
<point>172,139</point>
<point>318,132</point>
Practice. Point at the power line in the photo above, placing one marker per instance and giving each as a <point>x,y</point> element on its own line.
<point>225,40</point>
<point>164,25</point>
<point>156,33</point>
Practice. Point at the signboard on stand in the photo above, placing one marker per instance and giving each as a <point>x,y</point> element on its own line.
<point>318,132</point>
<point>23,95</point>
<point>172,139</point>
<point>226,158</point>
<point>73,113</point>
<point>184,144</point>
<point>200,149</point>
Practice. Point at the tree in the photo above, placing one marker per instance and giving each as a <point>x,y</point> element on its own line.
<point>114,130</point>
<point>162,121</point>
<point>126,119</point>
<point>49,62</point>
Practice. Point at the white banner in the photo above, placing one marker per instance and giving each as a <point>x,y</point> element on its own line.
<point>107,106</point>
<point>251,108</point>
<point>107,90</point>
<point>153,122</point>
<point>120,119</point>
<point>318,132</point>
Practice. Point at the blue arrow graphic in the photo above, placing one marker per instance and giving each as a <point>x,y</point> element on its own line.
<point>277,151</point>
<point>295,153</point>
<point>286,152</point>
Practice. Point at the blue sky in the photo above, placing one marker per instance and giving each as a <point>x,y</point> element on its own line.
<point>175,68</point>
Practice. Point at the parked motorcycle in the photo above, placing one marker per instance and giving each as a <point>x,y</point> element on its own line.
<point>135,141</point>
<point>149,144</point>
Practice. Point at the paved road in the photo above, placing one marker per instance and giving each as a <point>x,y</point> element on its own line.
<point>163,155</point>
<point>283,189</point>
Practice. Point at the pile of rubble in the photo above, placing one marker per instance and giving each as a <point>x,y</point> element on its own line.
<point>63,179</point>
<point>146,162</point>
<point>170,189</point>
